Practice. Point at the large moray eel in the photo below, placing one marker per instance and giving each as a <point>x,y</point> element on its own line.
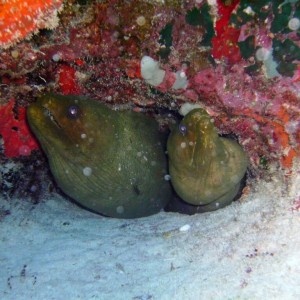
<point>109,161</point>
<point>206,170</point>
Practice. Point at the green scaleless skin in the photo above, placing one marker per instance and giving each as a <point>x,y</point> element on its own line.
<point>111,162</point>
<point>206,170</point>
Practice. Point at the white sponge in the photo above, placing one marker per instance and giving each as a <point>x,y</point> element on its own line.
<point>181,81</point>
<point>187,107</point>
<point>151,71</point>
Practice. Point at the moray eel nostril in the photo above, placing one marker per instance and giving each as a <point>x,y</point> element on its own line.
<point>110,162</point>
<point>206,170</point>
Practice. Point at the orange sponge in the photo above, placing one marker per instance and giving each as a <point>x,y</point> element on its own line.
<point>20,18</point>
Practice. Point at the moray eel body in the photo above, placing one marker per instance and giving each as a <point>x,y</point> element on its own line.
<point>206,170</point>
<point>109,161</point>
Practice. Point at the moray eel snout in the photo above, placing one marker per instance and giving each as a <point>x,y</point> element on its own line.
<point>206,170</point>
<point>110,162</point>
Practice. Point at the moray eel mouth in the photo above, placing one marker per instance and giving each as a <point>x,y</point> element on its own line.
<point>43,114</point>
<point>60,123</point>
<point>39,116</point>
<point>47,112</point>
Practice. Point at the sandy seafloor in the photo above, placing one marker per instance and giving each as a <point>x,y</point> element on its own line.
<point>249,250</point>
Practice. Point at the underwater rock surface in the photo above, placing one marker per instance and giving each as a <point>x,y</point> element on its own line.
<point>110,162</point>
<point>205,169</point>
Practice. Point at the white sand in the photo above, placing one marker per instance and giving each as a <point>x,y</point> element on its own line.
<point>249,250</point>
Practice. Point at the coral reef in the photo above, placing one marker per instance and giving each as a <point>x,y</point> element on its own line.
<point>237,59</point>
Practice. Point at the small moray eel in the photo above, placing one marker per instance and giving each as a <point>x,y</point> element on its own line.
<point>111,162</point>
<point>206,170</point>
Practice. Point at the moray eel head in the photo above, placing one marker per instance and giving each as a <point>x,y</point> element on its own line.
<point>205,169</point>
<point>109,161</point>
<point>195,134</point>
<point>62,122</point>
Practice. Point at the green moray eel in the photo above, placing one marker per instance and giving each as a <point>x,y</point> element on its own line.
<point>111,162</point>
<point>206,170</point>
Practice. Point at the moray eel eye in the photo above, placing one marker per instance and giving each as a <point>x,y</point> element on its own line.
<point>182,129</point>
<point>73,112</point>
